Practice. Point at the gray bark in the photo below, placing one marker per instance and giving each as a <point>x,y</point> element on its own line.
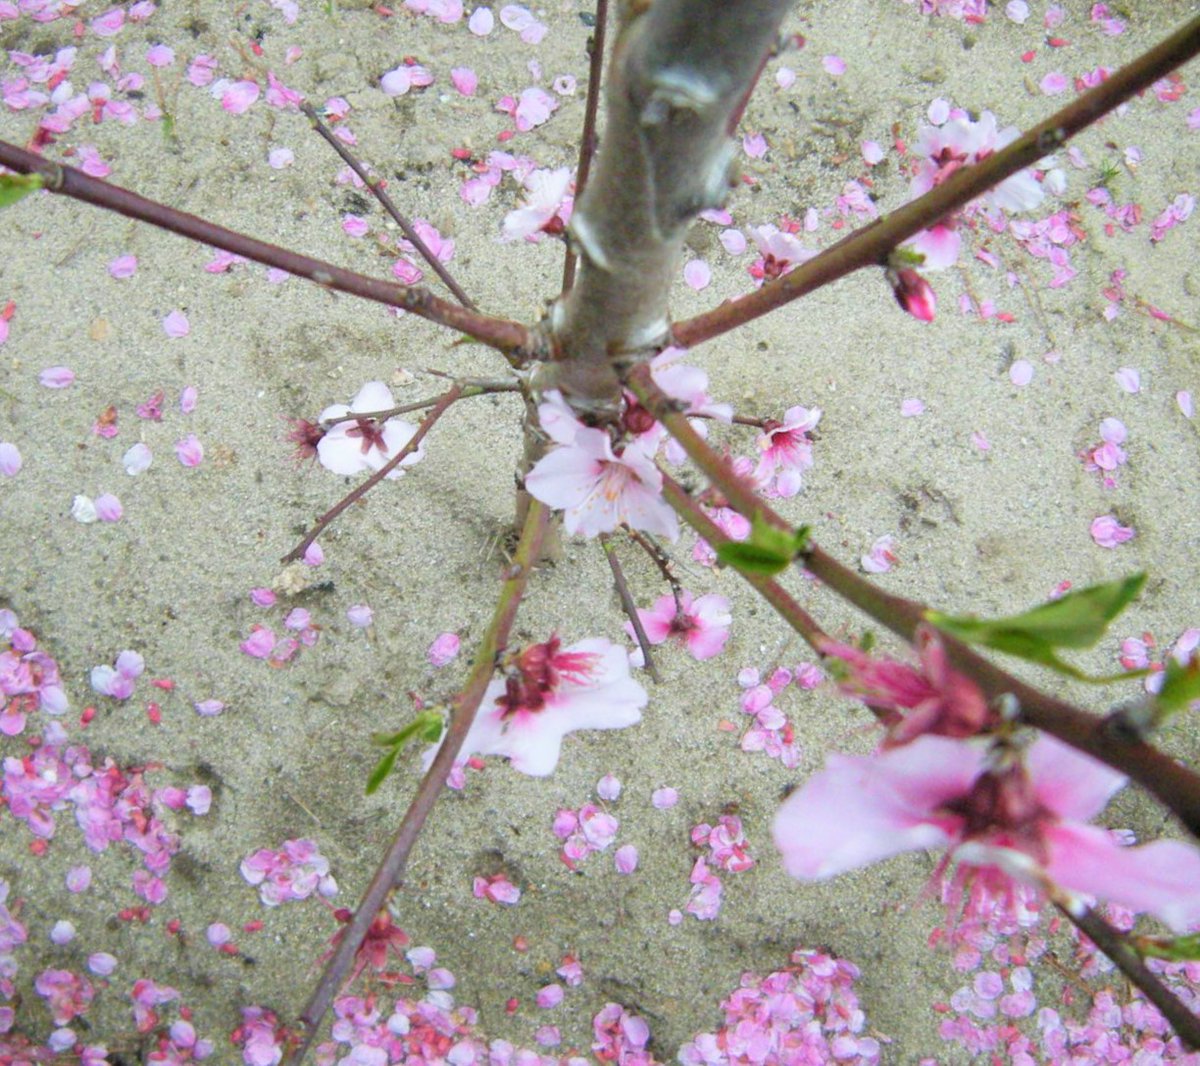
<point>678,78</point>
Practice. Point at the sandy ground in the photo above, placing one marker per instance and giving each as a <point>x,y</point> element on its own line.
<point>992,530</point>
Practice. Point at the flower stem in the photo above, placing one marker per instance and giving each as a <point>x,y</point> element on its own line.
<point>1116,947</point>
<point>872,244</point>
<point>455,392</point>
<point>391,869</point>
<point>385,201</point>
<point>514,340</point>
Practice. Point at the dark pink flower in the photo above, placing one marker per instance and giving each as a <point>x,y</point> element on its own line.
<point>702,624</point>
<point>1010,816</point>
<point>928,698</point>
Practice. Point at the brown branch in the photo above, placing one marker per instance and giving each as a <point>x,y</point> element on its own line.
<point>1127,960</point>
<point>514,340</point>
<point>356,494</point>
<point>871,245</point>
<point>587,139</point>
<point>630,608</point>
<point>774,593</point>
<point>470,387</point>
<point>1177,787</point>
<point>391,869</point>
<point>377,190</point>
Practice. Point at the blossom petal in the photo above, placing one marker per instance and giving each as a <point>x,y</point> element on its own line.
<point>1160,878</point>
<point>859,810</point>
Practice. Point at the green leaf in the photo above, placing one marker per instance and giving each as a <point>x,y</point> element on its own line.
<point>14,187</point>
<point>1176,949</point>
<point>768,550</point>
<point>382,769</point>
<point>1180,687</point>
<point>427,726</point>
<point>1076,620</point>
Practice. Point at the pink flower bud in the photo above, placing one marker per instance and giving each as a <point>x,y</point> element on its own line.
<point>913,293</point>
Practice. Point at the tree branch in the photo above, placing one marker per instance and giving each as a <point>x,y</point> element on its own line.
<point>871,245</point>
<point>385,201</point>
<point>1177,787</point>
<point>515,341</point>
<point>587,139</point>
<point>678,74</point>
<point>391,869</point>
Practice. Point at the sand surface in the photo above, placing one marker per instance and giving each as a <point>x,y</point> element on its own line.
<point>991,530</point>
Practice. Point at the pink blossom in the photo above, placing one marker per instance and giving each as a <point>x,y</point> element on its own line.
<point>10,459</point>
<point>928,698</point>
<point>703,624</point>
<point>399,81</point>
<point>124,266</point>
<point>295,871</point>
<point>1107,532</point>
<point>201,70</point>
<point>519,19</point>
<point>533,107</point>
<point>208,708</point>
<point>597,489</point>
<point>754,145</point>
<point>465,80</point>
<point>176,325</point>
<point>260,643</point>
<point>962,142</point>
<point>238,97</point>
<point>549,199</point>
<point>57,377</point>
<point>1009,816</point>
<point>118,680</point>
<point>1183,399</point>
<point>1054,83</point>
<point>108,508</point>
<point>785,451</point>
<point>626,859</point>
<point>872,153</point>
<point>779,252</point>
<point>549,996</point>
<point>548,692</point>
<point>278,158</point>
<point>160,55</point>
<point>67,994</point>
<point>360,615</point>
<point>1128,379</point>
<point>109,24</point>
<point>190,451</point>
<point>497,888</point>
<point>79,879</point>
<point>664,798</point>
<point>444,649</point>
<point>834,65</point>
<point>1020,373</point>
<point>912,407</point>
<point>481,22</point>
<point>697,274</point>
<point>882,556</point>
<point>356,445</point>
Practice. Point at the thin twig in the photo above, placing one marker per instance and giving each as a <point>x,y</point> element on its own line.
<point>377,190</point>
<point>391,869</point>
<point>470,387</point>
<point>871,245</point>
<point>587,139</point>
<point>515,341</point>
<point>774,593</point>
<point>658,557</point>
<point>1177,787</point>
<point>1117,948</point>
<point>630,608</point>
<point>356,494</point>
